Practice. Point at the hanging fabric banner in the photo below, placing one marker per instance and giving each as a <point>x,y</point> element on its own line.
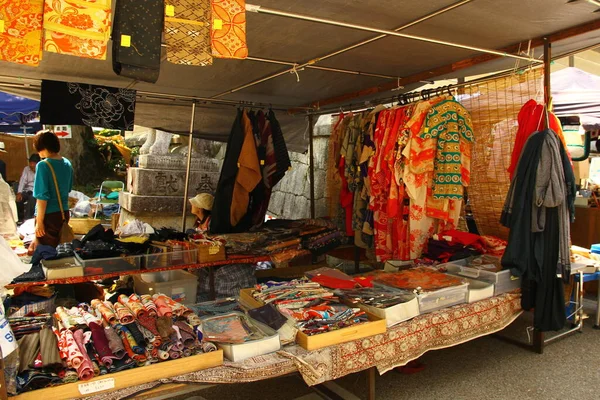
<point>136,36</point>
<point>65,103</point>
<point>228,31</point>
<point>187,32</point>
<point>77,27</point>
<point>21,31</point>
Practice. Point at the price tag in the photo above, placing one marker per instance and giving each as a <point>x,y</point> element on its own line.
<point>1,25</point>
<point>125,41</point>
<point>169,10</point>
<point>218,24</point>
<point>96,386</point>
<point>262,162</point>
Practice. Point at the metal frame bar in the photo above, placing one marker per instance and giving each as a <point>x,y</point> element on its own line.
<point>346,49</point>
<point>188,168</point>
<point>311,165</point>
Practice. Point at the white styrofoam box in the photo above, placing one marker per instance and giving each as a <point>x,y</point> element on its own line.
<point>241,351</point>
<point>479,290</point>
<point>503,281</point>
<point>395,314</point>
<point>443,298</point>
<point>180,285</point>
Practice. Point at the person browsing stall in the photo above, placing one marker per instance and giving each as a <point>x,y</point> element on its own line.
<point>202,206</point>
<point>25,190</point>
<point>49,218</point>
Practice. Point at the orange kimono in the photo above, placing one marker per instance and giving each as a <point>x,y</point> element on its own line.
<point>21,36</point>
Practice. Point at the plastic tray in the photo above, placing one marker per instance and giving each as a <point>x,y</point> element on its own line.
<point>181,286</point>
<point>101,266</point>
<point>171,258</point>
<point>447,297</point>
<point>503,281</point>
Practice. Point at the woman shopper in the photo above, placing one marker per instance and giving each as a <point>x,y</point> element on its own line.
<point>53,174</point>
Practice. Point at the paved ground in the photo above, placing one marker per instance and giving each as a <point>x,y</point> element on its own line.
<point>486,368</point>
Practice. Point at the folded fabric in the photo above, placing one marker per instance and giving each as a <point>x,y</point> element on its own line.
<point>29,348</point>
<point>134,303</point>
<point>268,315</point>
<point>21,38</point>
<point>77,27</point>
<point>123,313</point>
<point>85,369</point>
<point>149,305</point>
<point>101,344</point>
<point>33,380</point>
<point>228,29</point>
<point>137,35</point>
<point>186,333</point>
<point>69,103</point>
<point>162,305</point>
<point>137,335</point>
<point>49,349</point>
<point>114,342</point>
<point>149,323</point>
<point>187,32</point>
<point>35,274</point>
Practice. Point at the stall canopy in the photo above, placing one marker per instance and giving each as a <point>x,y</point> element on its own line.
<point>281,46</point>
<point>18,112</point>
<point>576,92</point>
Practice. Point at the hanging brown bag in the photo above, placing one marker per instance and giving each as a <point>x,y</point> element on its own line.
<point>66,234</point>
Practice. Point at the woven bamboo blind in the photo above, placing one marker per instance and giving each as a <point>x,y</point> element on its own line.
<point>494,107</point>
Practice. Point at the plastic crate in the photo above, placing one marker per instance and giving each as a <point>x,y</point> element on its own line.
<point>101,266</point>
<point>181,286</point>
<point>171,258</point>
<point>443,298</point>
<point>503,281</point>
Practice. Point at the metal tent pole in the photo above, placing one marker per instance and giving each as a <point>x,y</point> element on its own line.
<point>311,165</point>
<point>25,137</point>
<point>188,167</point>
<point>270,11</point>
<point>311,63</point>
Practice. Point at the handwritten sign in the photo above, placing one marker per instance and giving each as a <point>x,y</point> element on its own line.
<point>96,386</point>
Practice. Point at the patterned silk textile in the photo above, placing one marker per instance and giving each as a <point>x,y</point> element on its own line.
<point>77,27</point>
<point>228,31</point>
<point>450,124</point>
<point>21,36</point>
<point>187,32</point>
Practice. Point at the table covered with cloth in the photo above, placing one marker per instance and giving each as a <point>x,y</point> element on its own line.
<point>399,345</point>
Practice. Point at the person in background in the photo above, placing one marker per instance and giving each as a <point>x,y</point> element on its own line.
<point>202,206</point>
<point>49,220</point>
<point>25,197</point>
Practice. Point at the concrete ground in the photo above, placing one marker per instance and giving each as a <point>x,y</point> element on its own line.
<point>487,368</point>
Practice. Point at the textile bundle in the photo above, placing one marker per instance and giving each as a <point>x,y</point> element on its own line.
<point>539,208</point>
<point>228,29</point>
<point>67,103</point>
<point>77,27</point>
<point>187,32</point>
<point>137,35</point>
<point>21,39</point>
<point>398,174</point>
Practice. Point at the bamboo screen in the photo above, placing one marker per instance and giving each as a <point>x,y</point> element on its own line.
<point>494,107</point>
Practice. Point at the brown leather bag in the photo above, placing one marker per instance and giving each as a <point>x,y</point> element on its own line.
<point>66,234</point>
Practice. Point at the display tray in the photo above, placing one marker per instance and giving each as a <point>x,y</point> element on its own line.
<point>125,379</point>
<point>479,290</point>
<point>101,266</point>
<point>170,258</point>
<point>503,281</point>
<point>67,267</point>
<point>210,253</point>
<point>375,326</point>
<point>447,297</point>
<point>395,314</point>
<point>241,351</point>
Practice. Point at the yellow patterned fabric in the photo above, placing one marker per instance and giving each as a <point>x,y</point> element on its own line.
<point>187,32</point>
<point>228,30</point>
<point>21,31</point>
<point>449,123</point>
<point>77,27</point>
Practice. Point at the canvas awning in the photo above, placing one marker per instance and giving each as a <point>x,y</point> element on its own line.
<point>481,23</point>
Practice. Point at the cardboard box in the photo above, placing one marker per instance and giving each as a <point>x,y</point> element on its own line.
<point>210,253</point>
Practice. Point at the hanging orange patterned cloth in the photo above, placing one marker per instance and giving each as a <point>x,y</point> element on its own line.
<point>228,29</point>
<point>21,31</point>
<point>77,27</point>
<point>187,32</point>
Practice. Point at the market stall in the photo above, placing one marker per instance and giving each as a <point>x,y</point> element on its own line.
<point>339,336</point>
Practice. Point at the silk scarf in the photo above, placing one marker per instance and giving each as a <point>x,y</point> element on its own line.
<point>187,32</point>
<point>21,38</point>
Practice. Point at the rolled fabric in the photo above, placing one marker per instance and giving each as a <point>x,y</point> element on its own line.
<point>163,355</point>
<point>193,319</point>
<point>123,314</point>
<point>164,310</point>
<point>85,369</point>
<point>177,308</point>
<point>114,342</point>
<point>188,337</point>
<point>70,376</point>
<point>151,338</point>
<point>107,313</point>
<point>29,348</point>
<point>137,335</point>
<point>177,344</point>
<point>207,347</point>
<point>75,314</point>
<point>165,327</point>
<point>135,305</point>
<point>149,323</point>
<point>174,354</point>
<point>101,344</point>
<point>74,355</point>
<point>49,349</point>
<point>65,318</point>
<point>62,343</point>
<point>89,318</point>
<point>127,336</point>
<point>149,305</point>
<point>187,352</point>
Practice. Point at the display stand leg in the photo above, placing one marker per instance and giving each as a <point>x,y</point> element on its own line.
<point>538,341</point>
<point>371,383</point>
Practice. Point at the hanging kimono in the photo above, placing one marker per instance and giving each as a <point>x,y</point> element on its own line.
<point>187,32</point>
<point>449,123</point>
<point>137,36</point>
<point>68,103</point>
<point>228,29</point>
<point>334,182</point>
<point>282,157</point>
<point>21,38</point>
<point>77,27</point>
